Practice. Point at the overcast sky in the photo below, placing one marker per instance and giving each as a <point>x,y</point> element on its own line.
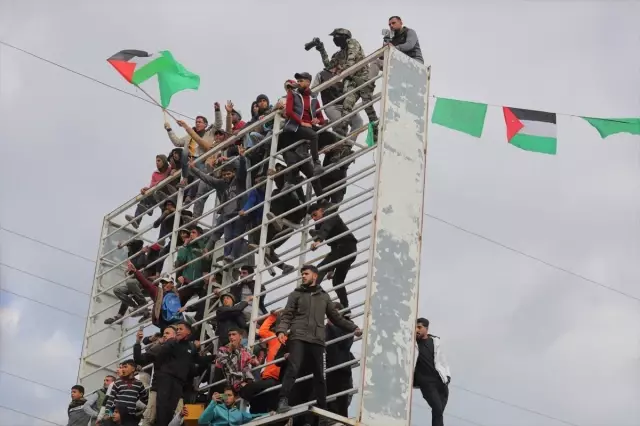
<point>514,329</point>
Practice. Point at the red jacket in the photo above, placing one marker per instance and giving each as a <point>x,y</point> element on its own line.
<point>306,115</point>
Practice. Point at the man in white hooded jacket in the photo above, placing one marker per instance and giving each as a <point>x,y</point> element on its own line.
<point>432,374</point>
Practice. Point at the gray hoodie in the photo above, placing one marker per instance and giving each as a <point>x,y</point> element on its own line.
<point>78,417</point>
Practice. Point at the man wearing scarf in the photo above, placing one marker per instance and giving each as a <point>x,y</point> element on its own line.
<point>76,412</point>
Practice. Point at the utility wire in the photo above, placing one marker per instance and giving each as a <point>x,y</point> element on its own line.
<point>95,80</point>
<point>518,407</point>
<point>66,392</point>
<point>29,415</point>
<point>42,303</point>
<point>44,279</point>
<point>453,416</point>
<point>35,240</point>
<point>426,214</point>
<point>537,259</point>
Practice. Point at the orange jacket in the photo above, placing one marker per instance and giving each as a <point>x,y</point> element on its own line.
<point>273,345</point>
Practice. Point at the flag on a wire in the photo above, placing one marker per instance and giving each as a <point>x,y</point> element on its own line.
<point>611,126</point>
<point>138,66</point>
<point>531,130</point>
<point>463,116</point>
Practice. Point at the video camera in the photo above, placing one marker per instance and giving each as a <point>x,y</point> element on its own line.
<point>316,42</point>
<point>387,35</point>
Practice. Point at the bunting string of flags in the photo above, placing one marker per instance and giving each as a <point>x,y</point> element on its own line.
<point>527,129</point>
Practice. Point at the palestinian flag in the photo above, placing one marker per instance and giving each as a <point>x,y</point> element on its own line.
<point>138,66</point>
<point>531,130</point>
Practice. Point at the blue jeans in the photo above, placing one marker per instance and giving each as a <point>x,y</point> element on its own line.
<point>231,231</point>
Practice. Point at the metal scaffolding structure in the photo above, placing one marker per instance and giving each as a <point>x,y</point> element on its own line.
<point>383,207</point>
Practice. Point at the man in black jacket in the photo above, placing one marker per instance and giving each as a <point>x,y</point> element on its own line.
<point>154,344</point>
<point>405,39</point>
<point>229,316</point>
<point>345,245</point>
<point>174,363</point>
<point>304,316</point>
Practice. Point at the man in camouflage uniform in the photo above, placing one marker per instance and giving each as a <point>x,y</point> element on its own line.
<point>349,54</point>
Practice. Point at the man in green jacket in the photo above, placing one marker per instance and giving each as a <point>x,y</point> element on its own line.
<point>189,265</point>
<point>304,316</point>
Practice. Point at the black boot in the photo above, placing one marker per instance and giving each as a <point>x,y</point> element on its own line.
<point>283,406</point>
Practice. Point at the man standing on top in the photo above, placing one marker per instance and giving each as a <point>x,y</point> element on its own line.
<point>432,374</point>
<point>345,245</point>
<point>405,39</point>
<point>349,54</point>
<point>304,316</point>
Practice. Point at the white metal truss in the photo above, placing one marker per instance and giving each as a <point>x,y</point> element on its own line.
<point>383,207</point>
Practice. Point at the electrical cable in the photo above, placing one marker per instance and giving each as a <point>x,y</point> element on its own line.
<point>44,279</point>
<point>42,303</point>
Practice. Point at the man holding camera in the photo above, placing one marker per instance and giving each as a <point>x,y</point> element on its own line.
<point>405,39</point>
<point>349,54</point>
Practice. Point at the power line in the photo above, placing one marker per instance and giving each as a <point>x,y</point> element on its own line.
<point>537,259</point>
<point>454,416</point>
<point>44,279</point>
<point>30,415</point>
<point>95,80</point>
<point>519,407</point>
<point>426,214</point>
<point>34,382</point>
<point>42,303</point>
<point>35,240</point>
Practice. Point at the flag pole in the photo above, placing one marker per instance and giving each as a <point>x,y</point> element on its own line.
<point>156,102</point>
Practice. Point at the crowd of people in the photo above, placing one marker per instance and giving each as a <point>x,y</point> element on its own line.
<point>291,341</point>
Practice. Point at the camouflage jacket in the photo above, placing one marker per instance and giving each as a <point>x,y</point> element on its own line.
<point>347,57</point>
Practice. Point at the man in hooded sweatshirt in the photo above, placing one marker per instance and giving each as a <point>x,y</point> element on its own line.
<point>303,317</point>
<point>222,411</point>
<point>228,189</point>
<point>229,316</point>
<point>166,306</point>
<point>76,412</point>
<point>147,203</point>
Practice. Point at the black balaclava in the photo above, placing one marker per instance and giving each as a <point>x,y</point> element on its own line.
<point>340,41</point>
